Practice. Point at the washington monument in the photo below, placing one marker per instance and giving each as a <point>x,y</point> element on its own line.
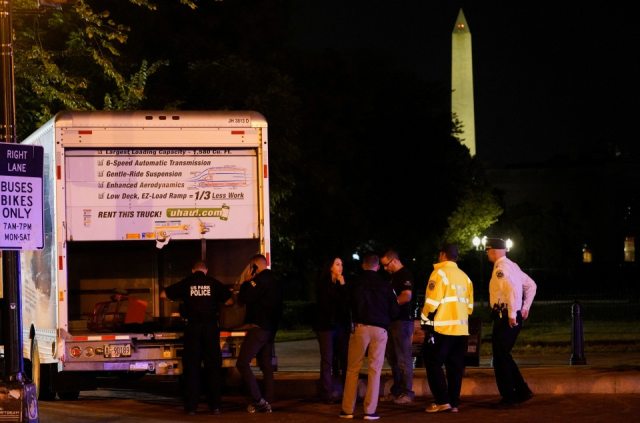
<point>462,81</point>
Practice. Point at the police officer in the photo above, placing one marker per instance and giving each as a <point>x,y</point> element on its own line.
<point>202,296</point>
<point>448,304</point>
<point>511,292</point>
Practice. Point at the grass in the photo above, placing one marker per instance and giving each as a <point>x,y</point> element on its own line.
<point>540,338</point>
<point>547,338</point>
<point>300,334</point>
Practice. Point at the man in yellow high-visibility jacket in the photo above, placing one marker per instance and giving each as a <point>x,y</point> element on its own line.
<point>448,304</point>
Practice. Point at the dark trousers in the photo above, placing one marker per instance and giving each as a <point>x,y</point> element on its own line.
<point>450,351</point>
<point>400,358</point>
<point>258,343</point>
<point>201,345</point>
<point>508,377</point>
<point>334,346</point>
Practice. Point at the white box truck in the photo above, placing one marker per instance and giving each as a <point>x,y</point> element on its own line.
<point>131,200</point>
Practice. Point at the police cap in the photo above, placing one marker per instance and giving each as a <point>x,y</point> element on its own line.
<point>495,243</point>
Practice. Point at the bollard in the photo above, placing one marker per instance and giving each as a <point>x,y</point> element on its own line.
<point>577,341</point>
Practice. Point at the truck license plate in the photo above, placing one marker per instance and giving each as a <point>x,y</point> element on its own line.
<point>119,350</point>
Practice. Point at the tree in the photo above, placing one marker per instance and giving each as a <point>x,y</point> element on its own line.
<point>70,59</point>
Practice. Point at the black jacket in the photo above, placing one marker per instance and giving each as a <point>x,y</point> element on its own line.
<point>331,311</point>
<point>263,297</point>
<point>372,300</point>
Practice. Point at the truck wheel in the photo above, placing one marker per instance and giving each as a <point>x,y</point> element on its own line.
<point>69,395</point>
<point>39,374</point>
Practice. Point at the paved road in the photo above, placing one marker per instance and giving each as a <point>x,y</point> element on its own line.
<point>606,389</point>
<point>141,407</point>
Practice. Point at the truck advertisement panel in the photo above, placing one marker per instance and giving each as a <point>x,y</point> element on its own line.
<point>161,194</point>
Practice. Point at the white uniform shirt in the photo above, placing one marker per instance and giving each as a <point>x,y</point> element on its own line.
<point>511,286</point>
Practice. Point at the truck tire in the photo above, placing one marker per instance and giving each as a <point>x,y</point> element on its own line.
<point>69,395</point>
<point>39,374</point>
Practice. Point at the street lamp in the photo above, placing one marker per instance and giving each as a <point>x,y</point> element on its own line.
<point>479,244</point>
<point>477,241</point>
<point>509,244</point>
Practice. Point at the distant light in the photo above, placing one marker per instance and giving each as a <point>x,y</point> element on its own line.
<point>460,25</point>
<point>355,256</point>
<point>476,241</point>
<point>509,244</point>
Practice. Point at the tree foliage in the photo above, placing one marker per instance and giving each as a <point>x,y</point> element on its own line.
<point>70,59</point>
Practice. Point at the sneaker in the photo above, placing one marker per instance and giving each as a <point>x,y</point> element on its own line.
<point>454,409</point>
<point>344,415</point>
<point>436,408</point>
<point>372,416</point>
<point>391,397</point>
<point>403,399</point>
<point>261,406</point>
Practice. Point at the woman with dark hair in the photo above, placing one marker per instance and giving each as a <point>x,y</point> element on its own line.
<point>332,329</point>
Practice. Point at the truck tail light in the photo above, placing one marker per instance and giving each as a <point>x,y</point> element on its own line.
<point>75,352</point>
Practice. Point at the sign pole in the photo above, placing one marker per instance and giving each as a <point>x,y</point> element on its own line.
<point>18,398</point>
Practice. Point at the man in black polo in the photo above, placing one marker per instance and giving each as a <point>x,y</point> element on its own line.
<point>202,297</point>
<point>398,351</point>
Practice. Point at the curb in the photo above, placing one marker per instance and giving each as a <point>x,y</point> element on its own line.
<point>477,382</point>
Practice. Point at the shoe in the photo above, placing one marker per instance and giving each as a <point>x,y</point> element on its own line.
<point>372,416</point>
<point>389,397</point>
<point>526,396</point>
<point>436,408</point>
<point>261,406</point>
<point>454,409</point>
<point>344,415</point>
<point>403,399</point>
<point>216,411</point>
<point>505,405</point>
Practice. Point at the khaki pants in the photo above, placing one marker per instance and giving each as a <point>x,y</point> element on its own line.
<point>375,339</point>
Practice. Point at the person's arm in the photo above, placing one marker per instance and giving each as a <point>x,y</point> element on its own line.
<point>394,307</point>
<point>223,293</point>
<point>253,289</point>
<point>173,292</point>
<point>529,289</point>
<point>404,297</point>
<point>509,297</point>
<point>433,295</point>
<point>470,295</point>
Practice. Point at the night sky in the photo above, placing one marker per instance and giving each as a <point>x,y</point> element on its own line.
<point>551,79</point>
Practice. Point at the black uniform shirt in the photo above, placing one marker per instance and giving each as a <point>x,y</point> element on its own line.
<point>201,295</point>
<point>402,280</point>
